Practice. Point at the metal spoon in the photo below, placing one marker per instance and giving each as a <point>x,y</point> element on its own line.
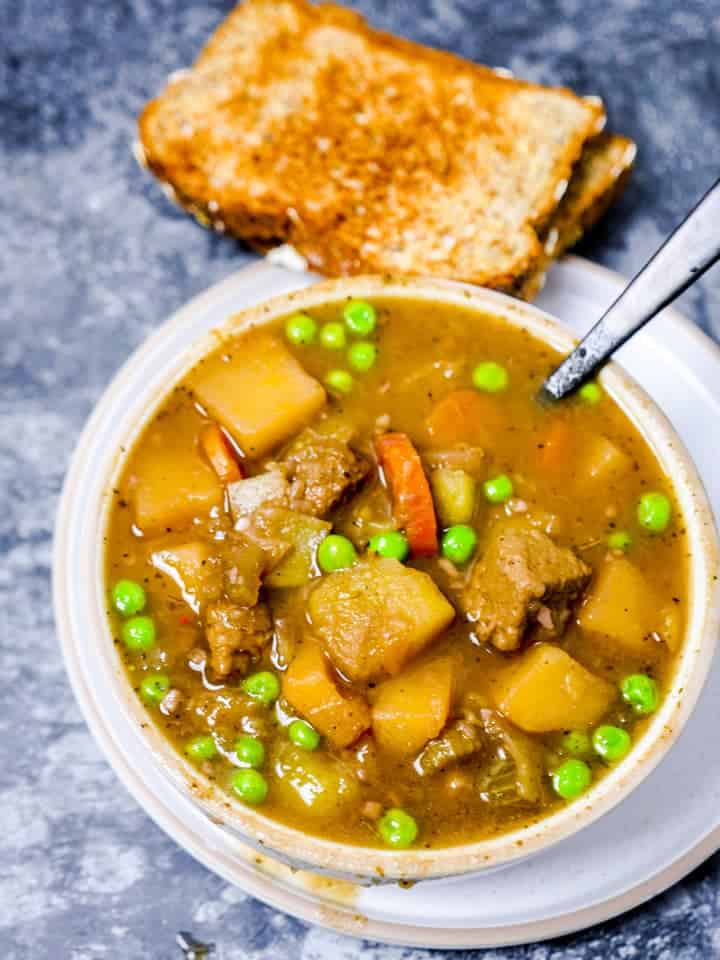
<point>686,255</point>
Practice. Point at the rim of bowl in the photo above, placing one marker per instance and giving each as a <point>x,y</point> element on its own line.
<point>81,604</point>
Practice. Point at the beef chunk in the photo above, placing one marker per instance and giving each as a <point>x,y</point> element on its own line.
<point>522,579</point>
<point>236,634</point>
<point>321,469</point>
<point>459,740</point>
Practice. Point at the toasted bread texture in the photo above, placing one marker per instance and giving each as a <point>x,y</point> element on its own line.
<point>599,177</point>
<point>300,124</point>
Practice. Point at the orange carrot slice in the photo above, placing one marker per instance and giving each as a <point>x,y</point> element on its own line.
<point>465,416</point>
<point>556,446</point>
<point>413,504</point>
<point>220,454</point>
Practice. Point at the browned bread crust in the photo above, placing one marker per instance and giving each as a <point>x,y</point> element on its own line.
<point>300,124</point>
<point>600,176</point>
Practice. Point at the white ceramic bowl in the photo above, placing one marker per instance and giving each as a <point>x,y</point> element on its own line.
<point>97,673</point>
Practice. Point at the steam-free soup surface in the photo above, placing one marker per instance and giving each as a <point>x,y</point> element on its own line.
<point>365,582</point>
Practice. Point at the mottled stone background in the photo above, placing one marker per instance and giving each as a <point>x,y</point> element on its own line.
<point>92,257</point>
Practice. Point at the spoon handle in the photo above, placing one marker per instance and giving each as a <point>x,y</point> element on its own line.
<point>686,254</point>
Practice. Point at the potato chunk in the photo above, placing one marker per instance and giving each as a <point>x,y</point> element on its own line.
<point>308,685</point>
<point>301,534</point>
<point>375,616</point>
<point>313,784</point>
<point>413,708</point>
<point>547,690</point>
<point>173,486</point>
<point>246,496</point>
<point>600,461</point>
<point>258,391</point>
<point>622,606</point>
<point>194,569</point>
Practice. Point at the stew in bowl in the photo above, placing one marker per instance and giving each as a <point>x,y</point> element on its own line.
<point>366,585</point>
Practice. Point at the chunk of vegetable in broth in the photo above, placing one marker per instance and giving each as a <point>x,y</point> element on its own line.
<point>546,690</point>
<point>220,454</point>
<point>339,715</point>
<point>522,754</point>
<point>466,416</point>
<point>248,495</point>
<point>375,616</point>
<point>454,493</point>
<point>194,569</point>
<point>621,608</point>
<point>600,462</point>
<point>412,708</point>
<point>257,391</point>
<point>412,501</point>
<point>304,534</point>
<point>174,485</point>
<point>313,783</point>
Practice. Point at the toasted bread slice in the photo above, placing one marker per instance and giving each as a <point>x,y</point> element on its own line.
<point>600,176</point>
<point>300,124</point>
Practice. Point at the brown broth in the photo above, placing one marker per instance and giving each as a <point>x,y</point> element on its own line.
<point>424,352</point>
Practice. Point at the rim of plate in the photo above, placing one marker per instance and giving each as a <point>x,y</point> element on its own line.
<point>90,478</point>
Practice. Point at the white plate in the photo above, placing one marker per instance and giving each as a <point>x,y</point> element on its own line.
<point>665,828</point>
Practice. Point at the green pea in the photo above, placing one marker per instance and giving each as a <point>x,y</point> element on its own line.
<point>250,751</point>
<point>263,686</point>
<point>304,735</point>
<point>153,687</point>
<point>653,512</point>
<point>336,553</point>
<point>397,828</point>
<point>458,543</point>
<point>339,381</point>
<point>490,377</point>
<point>128,597</point>
<point>362,356</point>
<point>641,692</point>
<point>590,393</point>
<point>250,786</point>
<point>577,744</point>
<point>393,545</point>
<point>301,329</point>
<point>498,489</point>
<point>611,743</point>
<point>360,318</point>
<point>138,634</point>
<point>619,540</point>
<point>332,336</point>
<point>201,748</point>
<point>571,779</point>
